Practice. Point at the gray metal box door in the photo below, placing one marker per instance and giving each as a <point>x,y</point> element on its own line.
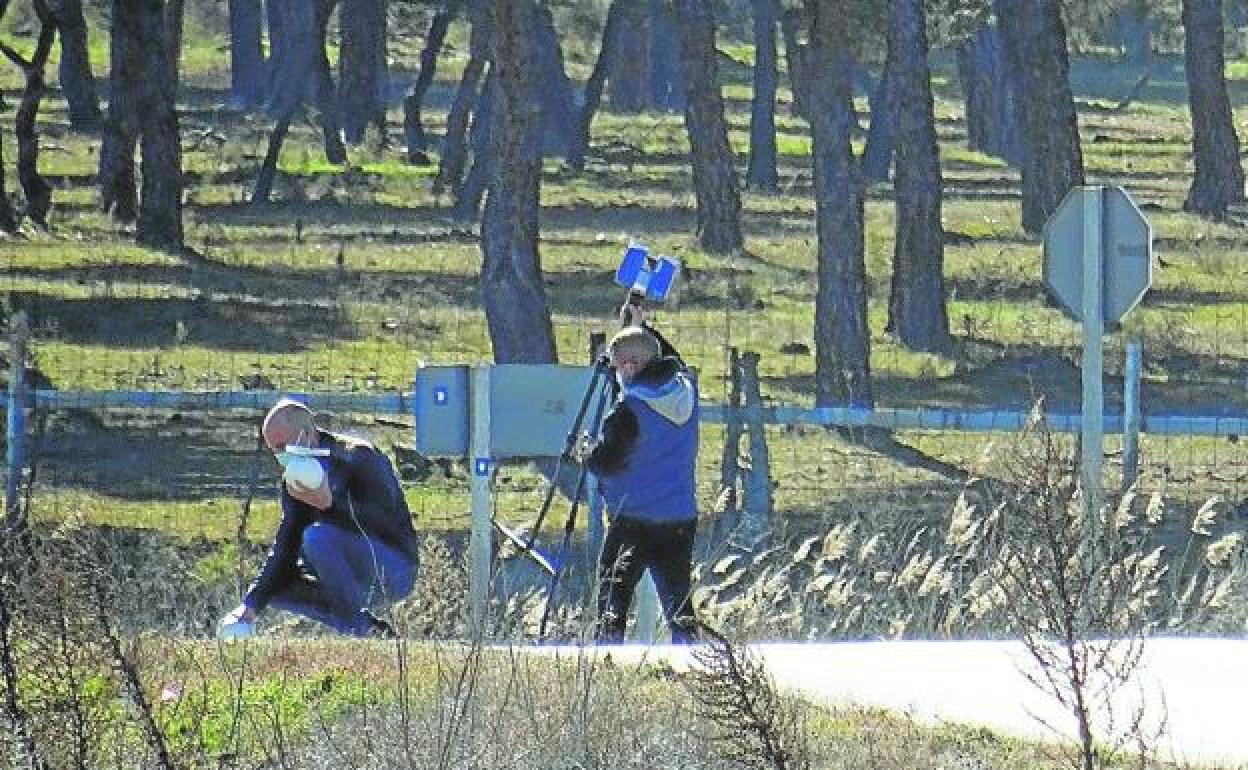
<point>532,407</point>
<point>441,409</point>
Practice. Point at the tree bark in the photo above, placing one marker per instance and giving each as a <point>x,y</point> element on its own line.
<point>1052,159</point>
<point>877,154</point>
<point>484,153</point>
<point>36,189</point>
<point>556,94</point>
<point>8,223</point>
<point>761,172</point>
<point>262,190</point>
<point>8,220</point>
<point>629,67</point>
<point>714,178</point>
<point>666,76</point>
<point>118,194</point>
<point>795,56</point>
<point>275,12</point>
<point>511,274</point>
<point>1219,176</point>
<point>326,93</point>
<point>842,337</point>
<point>175,14</point>
<point>295,77</point>
<point>454,152</point>
<point>991,92</point>
<point>301,70</point>
<point>77,82</point>
<point>579,144</point>
<point>917,311</point>
<point>160,202</point>
<point>413,125</point>
<point>246,54</point>
<point>362,73</point>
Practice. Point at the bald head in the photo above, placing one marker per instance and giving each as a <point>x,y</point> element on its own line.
<point>631,349</point>
<point>288,422</point>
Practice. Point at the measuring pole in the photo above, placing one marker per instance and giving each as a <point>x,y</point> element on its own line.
<point>1092,433</point>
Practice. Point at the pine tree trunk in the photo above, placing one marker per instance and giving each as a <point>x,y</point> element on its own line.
<point>454,154</point>
<point>300,70</point>
<point>262,190</point>
<point>795,56</point>
<point>326,92</point>
<point>118,194</point>
<point>877,154</point>
<point>246,55</point>
<point>1052,159</point>
<point>594,86</point>
<point>413,125</point>
<point>160,202</point>
<point>77,82</point>
<point>976,99</point>
<point>666,76</point>
<point>556,94</point>
<point>1219,176</point>
<point>917,311</point>
<point>761,172</point>
<point>36,189</point>
<point>470,192</point>
<point>629,67</point>
<point>175,14</point>
<point>8,220</point>
<point>362,73</point>
<point>511,274</point>
<point>714,177</point>
<point>842,337</point>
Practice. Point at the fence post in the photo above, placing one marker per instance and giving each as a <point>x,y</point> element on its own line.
<point>1131,415</point>
<point>757,487</point>
<point>727,504</point>
<point>15,431</point>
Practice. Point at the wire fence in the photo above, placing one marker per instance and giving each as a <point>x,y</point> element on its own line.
<point>157,434</point>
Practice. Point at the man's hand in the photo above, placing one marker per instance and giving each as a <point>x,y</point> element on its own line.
<point>632,314</point>
<point>319,498</point>
<point>238,623</point>
<point>584,445</point>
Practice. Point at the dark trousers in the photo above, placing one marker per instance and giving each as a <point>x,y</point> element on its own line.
<point>351,573</point>
<point>632,546</point>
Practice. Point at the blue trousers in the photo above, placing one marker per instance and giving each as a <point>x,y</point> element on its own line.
<point>351,572</point>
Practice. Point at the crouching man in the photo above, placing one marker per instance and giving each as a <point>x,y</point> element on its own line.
<point>345,542</point>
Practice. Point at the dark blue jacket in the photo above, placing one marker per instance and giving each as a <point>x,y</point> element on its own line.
<point>645,462</point>
<point>366,499</point>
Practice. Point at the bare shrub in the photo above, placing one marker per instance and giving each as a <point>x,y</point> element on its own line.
<point>755,726</point>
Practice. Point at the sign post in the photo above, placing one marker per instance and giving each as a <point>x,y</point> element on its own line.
<point>1098,262</point>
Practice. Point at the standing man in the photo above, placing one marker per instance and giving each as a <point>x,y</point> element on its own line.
<point>645,464</point>
<point>345,540</point>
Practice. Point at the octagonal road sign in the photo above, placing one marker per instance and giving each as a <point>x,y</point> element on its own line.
<point>1125,244</point>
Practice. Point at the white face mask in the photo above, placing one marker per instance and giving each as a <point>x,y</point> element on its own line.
<point>284,457</point>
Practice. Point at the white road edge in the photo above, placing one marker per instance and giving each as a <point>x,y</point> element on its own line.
<point>1191,691</point>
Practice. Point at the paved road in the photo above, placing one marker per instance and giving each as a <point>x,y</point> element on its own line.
<point>1197,687</point>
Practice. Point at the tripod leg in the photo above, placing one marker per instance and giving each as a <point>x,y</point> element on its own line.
<point>569,525</point>
<point>600,371</point>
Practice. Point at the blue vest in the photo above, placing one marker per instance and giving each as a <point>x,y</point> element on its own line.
<point>657,484</point>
